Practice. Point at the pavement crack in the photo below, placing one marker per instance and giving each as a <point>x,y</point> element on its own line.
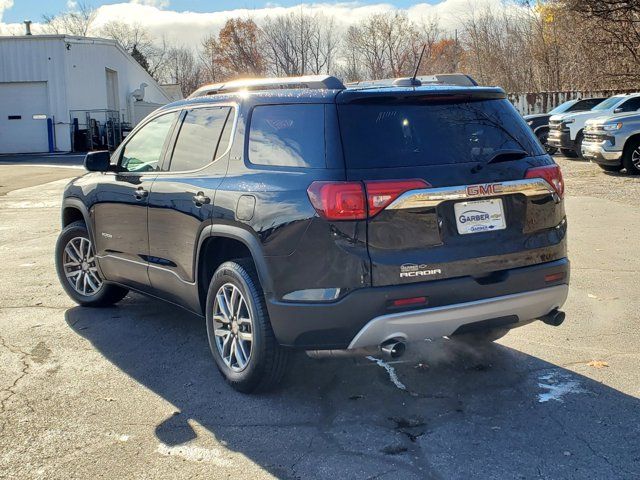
<point>24,371</point>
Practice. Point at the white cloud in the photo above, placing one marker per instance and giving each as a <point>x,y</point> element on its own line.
<point>189,28</point>
<point>153,3</point>
<point>5,5</point>
<point>72,4</point>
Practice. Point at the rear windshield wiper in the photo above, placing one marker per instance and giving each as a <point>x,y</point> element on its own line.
<point>499,125</point>
<point>507,155</point>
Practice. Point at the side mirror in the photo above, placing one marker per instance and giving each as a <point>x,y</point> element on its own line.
<point>618,110</point>
<point>97,161</point>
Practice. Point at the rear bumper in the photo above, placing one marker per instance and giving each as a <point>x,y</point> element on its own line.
<point>337,325</point>
<point>444,321</point>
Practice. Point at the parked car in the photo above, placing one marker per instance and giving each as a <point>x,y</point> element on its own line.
<point>614,142</point>
<point>539,122</point>
<point>566,131</point>
<point>297,213</point>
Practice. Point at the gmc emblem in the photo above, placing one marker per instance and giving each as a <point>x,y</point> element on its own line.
<point>486,189</point>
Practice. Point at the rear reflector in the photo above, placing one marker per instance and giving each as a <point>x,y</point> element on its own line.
<point>554,277</point>
<point>404,302</point>
<point>552,174</point>
<point>350,200</point>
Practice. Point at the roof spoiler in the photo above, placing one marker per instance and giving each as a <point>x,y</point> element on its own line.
<point>255,84</point>
<point>457,79</point>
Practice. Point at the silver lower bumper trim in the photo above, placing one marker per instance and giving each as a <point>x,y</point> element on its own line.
<point>417,325</point>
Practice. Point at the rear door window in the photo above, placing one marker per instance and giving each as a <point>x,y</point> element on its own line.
<point>390,135</point>
<point>199,140</point>
<point>287,136</point>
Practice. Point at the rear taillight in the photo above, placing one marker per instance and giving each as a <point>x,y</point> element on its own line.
<point>338,200</point>
<point>552,175</point>
<point>357,200</point>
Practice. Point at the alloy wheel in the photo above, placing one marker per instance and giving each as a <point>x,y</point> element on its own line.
<point>635,158</point>
<point>233,327</point>
<point>80,267</point>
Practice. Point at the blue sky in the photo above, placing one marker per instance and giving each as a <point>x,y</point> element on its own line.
<point>34,9</point>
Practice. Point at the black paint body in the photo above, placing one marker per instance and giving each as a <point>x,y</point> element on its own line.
<point>157,243</point>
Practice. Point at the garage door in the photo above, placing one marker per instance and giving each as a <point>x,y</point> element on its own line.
<point>22,128</point>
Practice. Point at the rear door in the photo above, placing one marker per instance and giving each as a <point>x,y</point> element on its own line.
<point>182,199</point>
<point>475,212</point>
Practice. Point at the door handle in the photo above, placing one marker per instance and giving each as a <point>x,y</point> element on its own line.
<point>201,199</point>
<point>140,193</point>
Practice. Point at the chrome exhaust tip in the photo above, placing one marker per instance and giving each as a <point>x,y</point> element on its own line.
<point>393,348</point>
<point>554,318</point>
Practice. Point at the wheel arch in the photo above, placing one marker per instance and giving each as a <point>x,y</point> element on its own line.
<point>541,128</point>
<point>74,210</point>
<point>220,243</point>
<point>630,140</point>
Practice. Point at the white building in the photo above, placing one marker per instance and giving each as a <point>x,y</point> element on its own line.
<point>53,86</point>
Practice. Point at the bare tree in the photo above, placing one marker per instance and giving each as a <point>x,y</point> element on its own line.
<point>77,21</point>
<point>138,42</point>
<point>384,45</point>
<point>182,67</point>
<point>300,43</point>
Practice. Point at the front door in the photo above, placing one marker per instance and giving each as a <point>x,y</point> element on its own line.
<point>119,211</point>
<point>182,199</point>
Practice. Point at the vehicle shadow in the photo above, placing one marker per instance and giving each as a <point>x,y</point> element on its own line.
<point>447,412</point>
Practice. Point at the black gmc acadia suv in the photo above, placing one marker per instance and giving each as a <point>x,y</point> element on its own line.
<point>300,213</point>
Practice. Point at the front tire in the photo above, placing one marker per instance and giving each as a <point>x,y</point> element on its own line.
<point>567,152</point>
<point>543,137</point>
<point>611,168</point>
<point>631,157</point>
<point>239,330</point>
<point>78,272</point>
<point>578,148</point>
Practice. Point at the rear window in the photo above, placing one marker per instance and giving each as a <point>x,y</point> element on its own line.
<point>287,136</point>
<point>407,135</point>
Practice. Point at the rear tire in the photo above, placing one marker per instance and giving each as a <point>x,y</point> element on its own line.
<point>611,168</point>
<point>239,330</point>
<point>78,272</point>
<point>631,157</point>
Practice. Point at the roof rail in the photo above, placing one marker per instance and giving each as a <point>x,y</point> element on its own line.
<point>458,79</point>
<point>308,81</point>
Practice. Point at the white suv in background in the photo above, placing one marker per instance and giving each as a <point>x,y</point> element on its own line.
<point>566,130</point>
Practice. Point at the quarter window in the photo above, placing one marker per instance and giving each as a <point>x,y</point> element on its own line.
<point>142,152</point>
<point>200,141</point>
<point>287,135</point>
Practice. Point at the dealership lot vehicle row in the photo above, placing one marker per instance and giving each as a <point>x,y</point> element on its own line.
<point>129,391</point>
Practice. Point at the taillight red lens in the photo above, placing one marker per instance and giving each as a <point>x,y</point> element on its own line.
<point>338,200</point>
<point>349,201</point>
<point>552,174</point>
<point>381,193</point>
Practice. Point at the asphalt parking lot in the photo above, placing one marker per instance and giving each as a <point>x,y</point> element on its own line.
<point>131,391</point>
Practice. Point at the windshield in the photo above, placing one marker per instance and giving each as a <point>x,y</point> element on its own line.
<point>410,134</point>
<point>563,107</point>
<point>607,104</point>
